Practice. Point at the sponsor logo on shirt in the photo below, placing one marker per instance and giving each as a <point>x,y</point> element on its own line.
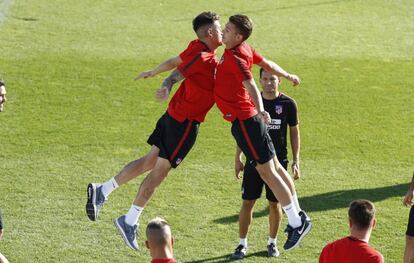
<point>276,121</point>
<point>274,124</point>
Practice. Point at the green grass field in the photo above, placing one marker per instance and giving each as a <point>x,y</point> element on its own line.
<point>76,116</point>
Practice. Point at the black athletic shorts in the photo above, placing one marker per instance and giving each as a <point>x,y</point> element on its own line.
<point>252,185</point>
<point>252,138</point>
<point>410,225</point>
<point>174,139</point>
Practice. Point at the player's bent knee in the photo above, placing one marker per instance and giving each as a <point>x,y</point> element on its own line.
<point>248,204</point>
<point>150,162</point>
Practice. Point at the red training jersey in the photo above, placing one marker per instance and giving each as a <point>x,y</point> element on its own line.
<point>195,97</point>
<point>234,67</point>
<point>348,250</point>
<point>166,260</point>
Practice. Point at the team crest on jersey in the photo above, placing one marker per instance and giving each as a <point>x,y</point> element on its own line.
<point>279,109</point>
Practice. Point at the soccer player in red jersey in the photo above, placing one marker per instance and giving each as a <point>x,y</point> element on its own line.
<point>284,113</point>
<point>355,248</point>
<point>176,131</point>
<point>238,98</point>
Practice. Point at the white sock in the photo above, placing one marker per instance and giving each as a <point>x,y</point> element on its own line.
<point>293,215</point>
<point>272,241</point>
<point>296,202</point>
<point>109,186</point>
<point>131,218</point>
<point>243,242</point>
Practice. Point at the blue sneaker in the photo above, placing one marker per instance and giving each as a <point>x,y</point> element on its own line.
<point>128,233</point>
<point>272,250</point>
<point>239,252</point>
<point>95,202</point>
<point>301,214</point>
<point>295,235</point>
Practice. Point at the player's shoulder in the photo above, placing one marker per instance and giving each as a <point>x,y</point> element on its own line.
<point>196,46</point>
<point>243,50</point>
<point>337,243</point>
<point>286,99</point>
<point>373,253</point>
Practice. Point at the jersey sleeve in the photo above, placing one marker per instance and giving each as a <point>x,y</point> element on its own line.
<point>191,60</point>
<point>292,118</point>
<point>242,72</point>
<point>257,58</point>
<point>377,259</point>
<point>324,256</point>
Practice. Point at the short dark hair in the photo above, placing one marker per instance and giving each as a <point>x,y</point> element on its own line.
<point>205,18</point>
<point>243,24</point>
<point>361,212</point>
<point>158,230</point>
<point>261,72</point>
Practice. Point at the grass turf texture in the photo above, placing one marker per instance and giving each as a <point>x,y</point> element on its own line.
<point>75,115</point>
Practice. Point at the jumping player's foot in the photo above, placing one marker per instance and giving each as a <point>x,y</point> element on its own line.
<point>295,235</point>
<point>95,202</point>
<point>128,233</point>
<point>239,252</point>
<point>302,213</point>
<point>272,250</point>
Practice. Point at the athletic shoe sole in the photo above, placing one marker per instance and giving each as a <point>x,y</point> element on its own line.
<point>122,233</point>
<point>90,204</point>
<point>305,232</point>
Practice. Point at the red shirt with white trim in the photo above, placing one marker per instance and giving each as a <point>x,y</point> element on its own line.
<point>195,97</point>
<point>231,97</point>
<point>348,250</point>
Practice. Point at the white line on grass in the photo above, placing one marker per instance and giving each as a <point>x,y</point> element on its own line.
<point>4,10</point>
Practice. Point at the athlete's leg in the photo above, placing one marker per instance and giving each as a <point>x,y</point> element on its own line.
<point>245,217</point>
<point>138,167</point>
<point>275,218</point>
<point>409,239</point>
<point>279,188</point>
<point>152,181</point>
<point>283,173</point>
<point>128,224</point>
<point>97,194</point>
<point>409,249</point>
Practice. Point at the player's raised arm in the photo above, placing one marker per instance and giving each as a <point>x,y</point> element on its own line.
<point>254,93</point>
<point>167,65</point>
<point>163,92</point>
<point>274,68</point>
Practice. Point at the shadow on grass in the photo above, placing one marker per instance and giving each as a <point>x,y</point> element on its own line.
<point>333,200</point>
<point>29,19</point>
<point>226,258</point>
